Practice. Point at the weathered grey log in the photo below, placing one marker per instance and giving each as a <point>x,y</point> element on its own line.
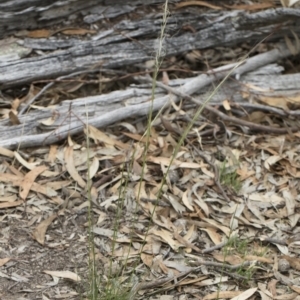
<point>126,43</point>
<point>104,110</point>
<point>33,14</point>
<point>115,51</point>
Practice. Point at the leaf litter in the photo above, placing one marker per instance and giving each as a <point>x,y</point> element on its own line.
<point>202,244</point>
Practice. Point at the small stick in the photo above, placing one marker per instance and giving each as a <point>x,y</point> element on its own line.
<point>46,87</point>
<point>213,248</point>
<point>224,116</point>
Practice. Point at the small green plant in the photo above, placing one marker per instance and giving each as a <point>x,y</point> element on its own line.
<point>112,287</point>
<point>229,177</point>
<point>242,248</point>
<point>237,245</point>
<point>113,290</point>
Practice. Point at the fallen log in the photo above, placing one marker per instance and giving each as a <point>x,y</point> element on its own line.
<point>122,42</point>
<point>131,42</point>
<point>50,125</point>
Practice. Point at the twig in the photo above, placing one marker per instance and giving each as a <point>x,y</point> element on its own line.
<point>269,109</point>
<point>104,179</point>
<point>222,266</point>
<point>224,116</point>
<point>213,248</point>
<point>274,241</point>
<point>152,284</point>
<point>225,266</point>
<point>46,87</point>
<point>156,202</point>
<point>235,275</point>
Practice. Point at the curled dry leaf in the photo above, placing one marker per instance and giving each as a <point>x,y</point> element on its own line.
<point>295,288</point>
<point>147,259</point>
<point>231,259</point>
<point>3,261</point>
<point>70,166</point>
<point>32,165</point>
<point>99,136</point>
<point>40,231</point>
<point>226,230</point>
<point>23,162</point>
<point>245,295</point>
<point>186,243</point>
<point>213,234</point>
<point>29,179</point>
<point>93,167</point>
<point>166,236</point>
<point>186,199</point>
<point>175,204</point>
<point>14,118</point>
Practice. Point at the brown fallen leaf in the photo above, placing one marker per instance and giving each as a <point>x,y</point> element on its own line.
<point>52,153</point>
<point>186,243</point>
<point>14,120</point>
<point>259,258</point>
<point>231,259</point>
<point>99,136</point>
<point>222,294</point>
<point>70,166</point>
<point>213,234</point>
<point>6,152</point>
<point>138,137</point>
<point>64,274</point>
<point>251,7</point>
<point>3,261</point>
<point>295,288</point>
<point>15,104</point>
<point>40,33</point>
<point>147,259</point>
<point>166,236</point>
<point>40,231</point>
<point>245,295</point>
<point>294,262</point>
<point>197,3</point>
<point>29,179</point>
<point>17,181</point>
<point>78,31</point>
<point>11,204</point>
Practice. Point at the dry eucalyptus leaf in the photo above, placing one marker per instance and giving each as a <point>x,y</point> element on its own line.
<point>29,179</point>
<point>64,274</point>
<point>40,231</point>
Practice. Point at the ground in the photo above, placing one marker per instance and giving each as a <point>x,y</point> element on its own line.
<point>222,222</point>
<point>184,235</point>
<point>66,249</point>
